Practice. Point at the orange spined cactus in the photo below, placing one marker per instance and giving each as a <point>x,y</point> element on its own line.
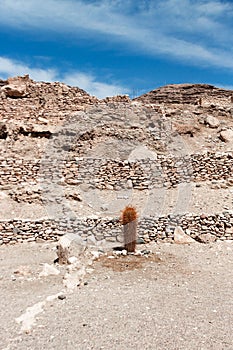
<point>129,221</point>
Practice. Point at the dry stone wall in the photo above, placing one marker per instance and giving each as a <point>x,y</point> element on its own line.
<point>115,174</point>
<point>217,226</point>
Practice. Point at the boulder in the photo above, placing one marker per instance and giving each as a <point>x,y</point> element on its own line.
<point>181,237</point>
<point>206,238</point>
<point>226,135</point>
<point>213,122</point>
<point>15,91</point>
<point>16,87</point>
<point>69,245</point>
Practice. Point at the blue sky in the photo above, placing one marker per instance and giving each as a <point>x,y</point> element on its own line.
<point>112,47</point>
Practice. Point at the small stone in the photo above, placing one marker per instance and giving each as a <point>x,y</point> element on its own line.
<point>129,184</point>
<point>72,260</point>
<point>140,240</point>
<point>145,252</point>
<point>43,120</point>
<point>91,240</point>
<point>110,239</point>
<point>104,207</point>
<point>49,270</point>
<point>40,240</point>
<point>109,187</point>
<point>229,230</point>
<point>22,270</point>
<point>96,254</point>
<point>61,297</point>
<point>203,216</point>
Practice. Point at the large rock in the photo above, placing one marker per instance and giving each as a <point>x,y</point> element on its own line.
<point>69,245</point>
<point>15,91</point>
<point>181,237</point>
<point>16,87</point>
<point>206,238</point>
<point>226,135</point>
<point>212,121</point>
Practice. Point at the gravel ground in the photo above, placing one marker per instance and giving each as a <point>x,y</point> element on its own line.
<point>202,199</point>
<point>180,297</point>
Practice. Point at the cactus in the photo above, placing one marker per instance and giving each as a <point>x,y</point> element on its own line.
<point>129,222</point>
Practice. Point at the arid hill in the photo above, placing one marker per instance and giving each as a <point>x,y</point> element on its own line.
<point>99,155</point>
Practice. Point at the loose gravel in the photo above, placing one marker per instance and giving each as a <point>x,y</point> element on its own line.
<point>180,298</point>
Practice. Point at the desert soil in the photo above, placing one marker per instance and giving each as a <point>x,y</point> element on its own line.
<point>180,297</point>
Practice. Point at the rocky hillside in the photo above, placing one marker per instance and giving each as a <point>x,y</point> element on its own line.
<point>195,94</point>
<point>201,113</point>
<point>65,153</point>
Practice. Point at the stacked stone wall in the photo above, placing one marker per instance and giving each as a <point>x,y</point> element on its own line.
<point>219,226</point>
<point>115,174</point>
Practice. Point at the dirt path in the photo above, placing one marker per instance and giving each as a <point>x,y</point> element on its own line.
<point>179,298</point>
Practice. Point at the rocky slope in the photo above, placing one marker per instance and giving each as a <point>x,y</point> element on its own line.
<point>195,94</point>
<point>64,151</point>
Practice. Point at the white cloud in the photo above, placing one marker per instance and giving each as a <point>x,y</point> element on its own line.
<point>87,82</point>
<point>10,67</point>
<point>198,31</point>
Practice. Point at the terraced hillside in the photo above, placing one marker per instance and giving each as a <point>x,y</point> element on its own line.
<point>70,162</point>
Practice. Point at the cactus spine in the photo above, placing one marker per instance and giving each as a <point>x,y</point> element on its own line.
<point>129,222</point>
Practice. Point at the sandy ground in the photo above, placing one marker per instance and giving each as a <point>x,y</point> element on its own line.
<point>178,298</point>
<point>158,202</point>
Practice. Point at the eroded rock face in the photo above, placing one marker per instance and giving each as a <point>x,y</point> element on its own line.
<point>16,87</point>
<point>15,91</point>
<point>183,94</point>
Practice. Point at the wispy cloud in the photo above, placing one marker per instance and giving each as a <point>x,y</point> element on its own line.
<point>86,81</point>
<point>197,31</point>
<point>10,67</point>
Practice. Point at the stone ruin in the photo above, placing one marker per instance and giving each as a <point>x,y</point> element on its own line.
<point>70,162</point>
